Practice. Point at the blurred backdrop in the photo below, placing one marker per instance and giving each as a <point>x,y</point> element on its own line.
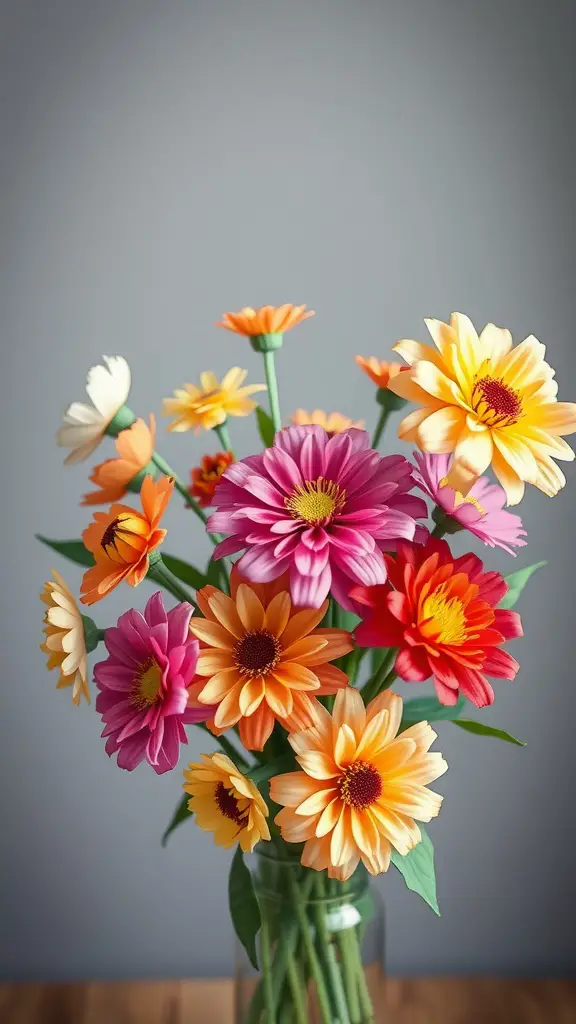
<point>382,161</point>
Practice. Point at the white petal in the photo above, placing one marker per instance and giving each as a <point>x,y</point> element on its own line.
<point>109,387</point>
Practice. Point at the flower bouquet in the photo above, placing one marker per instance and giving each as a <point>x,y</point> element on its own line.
<point>325,589</point>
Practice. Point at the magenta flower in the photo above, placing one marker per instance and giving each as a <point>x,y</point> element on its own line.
<point>144,685</point>
<point>324,508</point>
<point>481,511</point>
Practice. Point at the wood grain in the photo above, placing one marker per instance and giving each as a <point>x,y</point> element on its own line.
<point>405,1001</point>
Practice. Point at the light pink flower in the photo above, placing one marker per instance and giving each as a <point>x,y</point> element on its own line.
<point>323,508</point>
<point>481,511</point>
<point>144,685</point>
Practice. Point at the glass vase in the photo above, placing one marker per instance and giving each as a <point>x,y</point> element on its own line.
<point>320,948</point>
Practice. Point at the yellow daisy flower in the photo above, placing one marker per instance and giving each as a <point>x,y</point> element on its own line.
<point>487,402</point>
<point>208,406</point>
<point>65,644</point>
<point>226,802</point>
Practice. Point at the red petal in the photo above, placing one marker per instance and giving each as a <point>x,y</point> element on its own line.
<point>501,664</point>
<point>445,694</point>
<point>412,664</point>
<point>476,688</point>
<point>509,623</point>
<point>379,631</point>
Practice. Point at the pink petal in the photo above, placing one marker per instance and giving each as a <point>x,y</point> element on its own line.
<point>412,664</point>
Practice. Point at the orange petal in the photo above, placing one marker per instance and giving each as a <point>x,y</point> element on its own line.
<point>256,730</point>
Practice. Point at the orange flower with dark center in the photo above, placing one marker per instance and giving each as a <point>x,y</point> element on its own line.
<point>135,447</point>
<point>266,320</point>
<point>379,370</point>
<point>122,538</point>
<point>262,659</point>
<point>206,476</point>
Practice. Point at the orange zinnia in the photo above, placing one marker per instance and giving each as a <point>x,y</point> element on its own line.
<point>263,659</point>
<point>206,476</point>
<point>122,538</point>
<point>266,320</point>
<point>379,370</point>
<point>361,785</point>
<point>135,446</point>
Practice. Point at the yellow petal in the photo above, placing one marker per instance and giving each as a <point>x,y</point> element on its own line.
<point>251,695</point>
<point>472,456</point>
<point>412,351</point>
<point>218,686</point>
<point>557,417</point>
<point>439,432</point>
<point>317,802</point>
<point>212,660</point>
<point>249,608</point>
<point>508,478</point>
<point>278,614</point>
<point>318,765</point>
<point>436,383</point>
<point>349,710</point>
<point>345,746</point>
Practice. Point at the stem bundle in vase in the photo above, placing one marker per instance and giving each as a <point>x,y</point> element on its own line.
<point>329,593</point>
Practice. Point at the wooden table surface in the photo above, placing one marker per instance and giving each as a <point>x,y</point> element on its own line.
<point>405,1001</point>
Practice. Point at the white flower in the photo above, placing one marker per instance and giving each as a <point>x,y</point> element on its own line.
<point>65,643</point>
<point>84,425</point>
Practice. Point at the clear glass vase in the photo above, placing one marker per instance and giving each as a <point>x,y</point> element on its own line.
<point>320,948</point>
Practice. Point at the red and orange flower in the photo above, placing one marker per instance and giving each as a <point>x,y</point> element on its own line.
<point>263,659</point>
<point>122,539</point>
<point>441,613</point>
<point>379,370</point>
<point>206,476</point>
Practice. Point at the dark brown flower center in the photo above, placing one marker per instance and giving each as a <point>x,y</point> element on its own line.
<point>360,785</point>
<point>228,805</point>
<point>257,652</point>
<point>109,535</point>
<point>496,403</point>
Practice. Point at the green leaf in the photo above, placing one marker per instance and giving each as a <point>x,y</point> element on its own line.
<point>429,709</point>
<point>417,869</point>
<point>244,909</point>
<point>265,427</point>
<point>180,814</point>
<point>479,729</point>
<point>262,772</point>
<point>72,549</point>
<point>185,572</point>
<point>516,582</point>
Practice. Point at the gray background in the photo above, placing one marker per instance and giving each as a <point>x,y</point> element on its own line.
<point>162,162</point>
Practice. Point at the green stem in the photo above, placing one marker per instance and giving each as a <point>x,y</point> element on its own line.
<point>179,485</point>
<point>315,967</point>
<point>297,991</point>
<point>223,436</point>
<point>101,634</point>
<point>439,530</point>
<point>161,574</point>
<point>366,1005</point>
<point>228,748</point>
<point>270,370</point>
<point>349,953</point>
<point>384,414</point>
<point>382,678</point>
<point>270,1014</point>
<point>329,956</point>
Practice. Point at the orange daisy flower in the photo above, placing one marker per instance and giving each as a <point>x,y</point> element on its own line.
<point>135,447</point>
<point>266,320</point>
<point>361,786</point>
<point>379,370</point>
<point>206,476</point>
<point>122,538</point>
<point>263,659</point>
<point>333,422</point>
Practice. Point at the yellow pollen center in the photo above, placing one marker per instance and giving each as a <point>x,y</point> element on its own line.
<point>316,502</point>
<point>443,618</point>
<point>147,685</point>
<point>461,499</point>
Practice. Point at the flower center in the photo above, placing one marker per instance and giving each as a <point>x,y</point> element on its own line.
<point>360,785</point>
<point>123,528</point>
<point>257,652</point>
<point>496,403</point>
<point>316,502</point>
<point>147,685</point>
<point>461,499</point>
<point>228,805</point>
<point>443,618</point>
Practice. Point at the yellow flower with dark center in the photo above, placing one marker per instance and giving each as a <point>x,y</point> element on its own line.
<point>361,787</point>
<point>208,406</point>
<point>226,802</point>
<point>487,402</point>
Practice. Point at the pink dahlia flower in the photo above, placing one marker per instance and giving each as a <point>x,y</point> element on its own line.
<point>481,511</point>
<point>323,508</point>
<point>144,685</point>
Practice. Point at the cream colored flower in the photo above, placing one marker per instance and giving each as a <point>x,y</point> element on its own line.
<point>65,644</point>
<point>333,422</point>
<point>83,425</point>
